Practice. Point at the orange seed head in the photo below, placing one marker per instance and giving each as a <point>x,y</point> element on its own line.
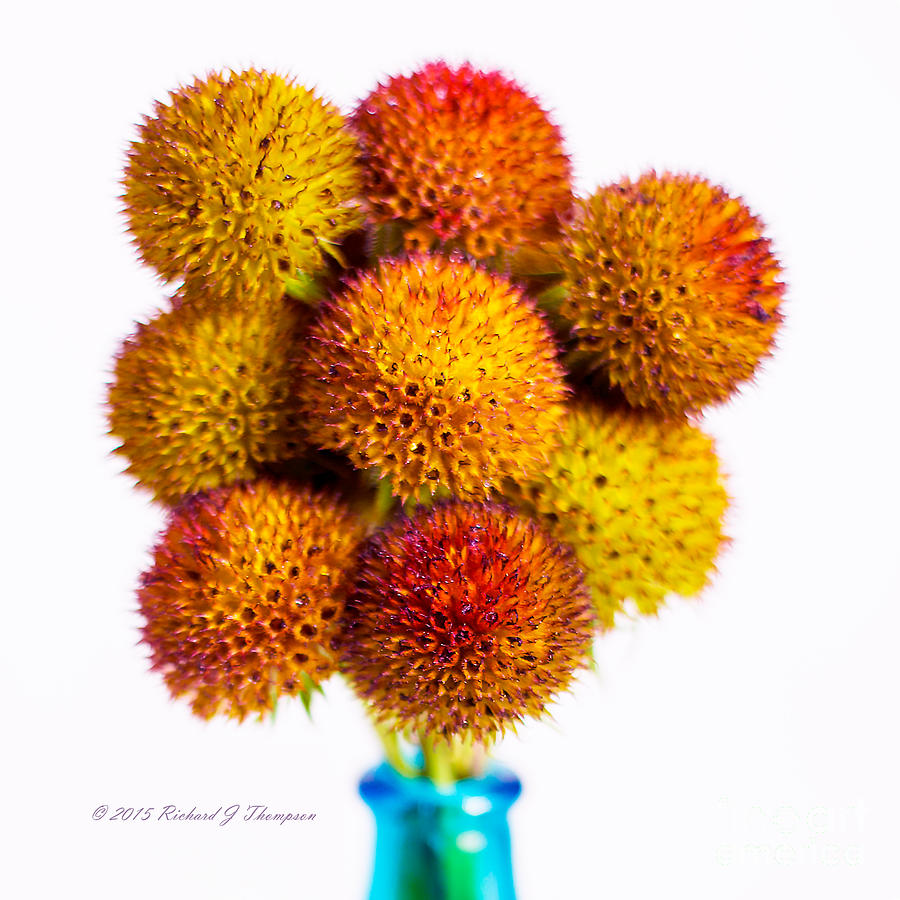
<point>245,596</point>
<point>438,373</point>
<point>673,295</point>
<point>462,159</point>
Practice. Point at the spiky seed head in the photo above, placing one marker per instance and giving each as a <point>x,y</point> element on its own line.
<point>462,159</point>
<point>241,182</point>
<point>672,291</point>
<point>438,374</point>
<point>640,500</point>
<point>203,396</point>
<point>245,596</point>
<point>463,620</point>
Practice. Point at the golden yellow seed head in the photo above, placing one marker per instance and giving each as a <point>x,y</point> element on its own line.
<point>241,182</point>
<point>204,396</point>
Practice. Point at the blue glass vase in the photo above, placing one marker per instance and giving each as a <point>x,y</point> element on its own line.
<point>434,844</point>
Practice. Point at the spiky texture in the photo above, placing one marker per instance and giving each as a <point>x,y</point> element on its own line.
<point>436,373</point>
<point>203,396</point>
<point>672,291</point>
<point>241,182</point>
<point>461,159</point>
<point>463,620</point>
<point>640,500</point>
<point>245,596</point>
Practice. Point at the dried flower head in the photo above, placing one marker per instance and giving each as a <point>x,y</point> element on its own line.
<point>203,396</point>
<point>242,182</point>
<point>245,596</point>
<point>640,500</point>
<point>437,373</point>
<point>673,294</point>
<point>463,620</point>
<point>462,159</point>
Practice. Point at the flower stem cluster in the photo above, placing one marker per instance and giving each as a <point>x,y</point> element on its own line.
<point>421,417</point>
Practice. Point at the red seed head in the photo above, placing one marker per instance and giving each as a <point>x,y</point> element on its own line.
<point>464,619</point>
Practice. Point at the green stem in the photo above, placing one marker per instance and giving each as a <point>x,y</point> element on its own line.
<point>385,241</point>
<point>468,757</point>
<point>384,500</point>
<point>438,757</point>
<point>390,742</point>
<point>551,299</point>
<point>448,761</point>
<point>305,288</point>
<point>426,497</point>
<point>478,761</point>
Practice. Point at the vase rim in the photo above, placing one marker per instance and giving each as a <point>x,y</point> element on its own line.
<point>498,784</point>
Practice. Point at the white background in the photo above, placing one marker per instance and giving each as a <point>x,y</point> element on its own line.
<point>744,746</point>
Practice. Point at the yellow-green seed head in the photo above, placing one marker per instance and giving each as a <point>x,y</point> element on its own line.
<point>639,499</point>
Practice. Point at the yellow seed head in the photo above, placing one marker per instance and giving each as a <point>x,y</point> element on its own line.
<point>640,500</point>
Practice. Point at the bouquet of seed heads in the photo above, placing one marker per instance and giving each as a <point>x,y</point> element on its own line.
<point>422,417</point>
